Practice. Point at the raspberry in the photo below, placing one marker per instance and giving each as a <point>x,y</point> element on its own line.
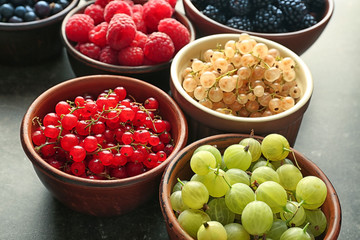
<point>102,3</point>
<point>138,8</point>
<point>115,7</point>
<point>78,26</point>
<point>139,40</point>
<point>121,31</point>
<point>97,35</point>
<point>178,33</point>
<point>96,12</point>
<point>159,47</point>
<point>154,11</point>
<point>139,22</point>
<point>172,3</point>
<point>90,50</point>
<point>131,56</point>
<point>109,55</point>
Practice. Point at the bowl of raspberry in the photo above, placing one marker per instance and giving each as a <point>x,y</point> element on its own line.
<point>126,38</point>
<point>30,30</point>
<point>100,143</point>
<point>296,24</point>
<point>239,83</point>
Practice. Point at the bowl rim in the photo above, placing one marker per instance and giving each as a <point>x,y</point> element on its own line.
<point>111,67</point>
<point>41,22</point>
<point>37,160</point>
<point>325,18</point>
<point>164,197</point>
<point>198,42</point>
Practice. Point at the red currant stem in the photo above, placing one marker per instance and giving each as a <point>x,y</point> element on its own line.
<point>74,109</point>
<point>296,162</point>
<point>93,121</point>
<point>36,120</point>
<point>37,148</point>
<point>226,74</point>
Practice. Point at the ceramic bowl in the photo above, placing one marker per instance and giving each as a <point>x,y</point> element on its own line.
<point>83,65</point>
<point>101,197</point>
<point>298,41</point>
<point>179,167</point>
<point>204,121</point>
<point>32,42</point>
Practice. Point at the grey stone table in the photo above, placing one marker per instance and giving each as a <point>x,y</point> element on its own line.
<point>329,136</point>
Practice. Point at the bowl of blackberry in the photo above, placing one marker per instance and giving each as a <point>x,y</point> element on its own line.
<point>30,30</point>
<point>126,38</point>
<point>296,24</point>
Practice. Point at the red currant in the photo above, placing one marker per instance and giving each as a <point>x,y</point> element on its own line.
<point>69,121</point>
<point>95,166</point>
<point>68,141</point>
<point>151,104</point>
<point>78,168</point>
<point>77,153</point>
<point>51,119</point>
<point>90,144</point>
<point>120,92</point>
<point>62,108</point>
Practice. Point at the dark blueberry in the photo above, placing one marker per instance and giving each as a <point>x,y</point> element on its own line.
<point>269,19</point>
<point>30,16</point>
<point>15,19</point>
<point>294,12</point>
<point>30,2</point>
<point>63,3</point>
<point>240,22</point>
<point>240,7</point>
<point>17,2</point>
<point>20,11</point>
<point>56,7</point>
<point>29,8</point>
<point>214,13</point>
<point>6,10</point>
<point>42,9</point>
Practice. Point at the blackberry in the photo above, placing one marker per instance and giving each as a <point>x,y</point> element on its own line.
<point>315,5</point>
<point>214,13</point>
<point>240,7</point>
<point>241,23</point>
<point>257,4</point>
<point>269,19</point>
<point>200,4</point>
<point>308,21</point>
<point>294,12</point>
<point>222,5</point>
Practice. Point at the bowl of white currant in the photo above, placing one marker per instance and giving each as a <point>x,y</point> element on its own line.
<point>237,82</point>
<point>243,186</point>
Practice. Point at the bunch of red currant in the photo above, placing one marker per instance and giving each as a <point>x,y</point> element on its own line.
<point>109,137</point>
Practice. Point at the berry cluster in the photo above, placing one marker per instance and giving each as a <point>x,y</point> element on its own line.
<point>17,11</point>
<point>268,16</point>
<point>243,78</point>
<point>109,137</point>
<point>123,33</point>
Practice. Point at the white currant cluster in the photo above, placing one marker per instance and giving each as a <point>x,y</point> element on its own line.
<point>244,78</point>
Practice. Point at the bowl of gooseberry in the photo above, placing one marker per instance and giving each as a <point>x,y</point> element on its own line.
<point>100,143</point>
<point>238,83</point>
<point>293,23</point>
<point>244,186</point>
<point>140,43</point>
<point>30,31</point>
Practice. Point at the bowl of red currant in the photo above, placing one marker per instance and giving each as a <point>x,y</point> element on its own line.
<point>296,24</point>
<point>100,143</point>
<point>243,186</point>
<point>126,38</point>
<point>30,30</point>
<point>238,83</point>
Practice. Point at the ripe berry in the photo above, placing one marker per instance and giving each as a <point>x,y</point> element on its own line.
<point>78,26</point>
<point>115,7</point>
<point>178,33</point>
<point>159,47</point>
<point>121,31</point>
<point>133,169</point>
<point>131,56</point>
<point>97,35</point>
<point>51,119</point>
<point>77,153</point>
<point>118,172</point>
<point>78,168</point>
<point>68,141</point>
<point>154,11</point>
<point>96,12</point>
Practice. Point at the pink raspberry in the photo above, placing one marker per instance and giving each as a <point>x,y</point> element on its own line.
<point>138,8</point>
<point>121,31</point>
<point>154,11</point>
<point>78,26</point>
<point>139,22</point>
<point>97,35</point>
<point>139,40</point>
<point>96,12</point>
<point>108,55</point>
<point>172,2</point>
<point>102,3</point>
<point>178,33</point>
<point>115,7</point>
<point>90,50</point>
<point>131,56</point>
<point>159,47</point>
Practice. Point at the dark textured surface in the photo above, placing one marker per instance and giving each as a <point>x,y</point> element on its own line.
<point>328,136</point>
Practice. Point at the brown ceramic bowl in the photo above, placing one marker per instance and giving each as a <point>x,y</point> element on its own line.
<point>179,167</point>
<point>204,121</point>
<point>32,42</point>
<point>83,65</point>
<point>101,197</point>
<point>298,41</point>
